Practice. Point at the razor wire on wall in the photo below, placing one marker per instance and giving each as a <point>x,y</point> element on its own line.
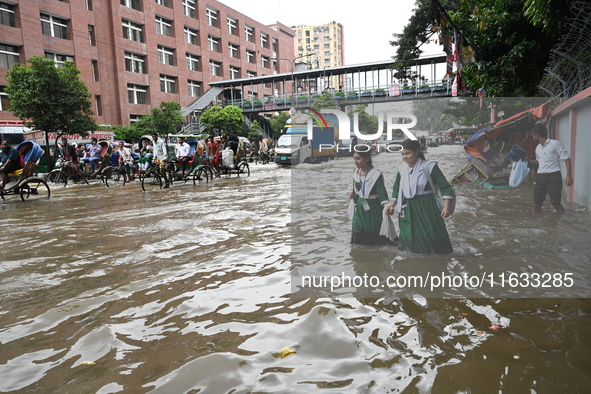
<point>569,68</point>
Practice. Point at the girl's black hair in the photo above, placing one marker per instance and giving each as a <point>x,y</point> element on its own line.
<point>413,145</point>
<point>366,154</point>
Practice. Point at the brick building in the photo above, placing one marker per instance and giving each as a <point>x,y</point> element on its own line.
<point>135,54</point>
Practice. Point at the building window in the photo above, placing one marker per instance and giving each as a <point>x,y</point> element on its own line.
<point>132,31</point>
<point>326,46</point>
<point>234,72</point>
<point>248,32</point>
<point>250,57</point>
<point>192,62</point>
<point>233,50</point>
<point>166,55</point>
<point>91,37</point>
<point>213,43</point>
<point>135,4</point>
<point>326,38</point>
<point>7,15</point>
<point>215,68</point>
<point>162,2</point>
<point>95,71</point>
<point>232,26</point>
<point>212,17</point>
<point>134,118</point>
<point>167,84</point>
<point>265,61</point>
<point>8,55</point>
<point>137,94</point>
<point>163,26</point>
<point>59,60</point>
<point>316,46</point>
<point>53,26</point>
<point>326,60</point>
<point>251,74</point>
<point>4,101</point>
<point>326,53</point>
<point>274,45</point>
<point>98,106</point>
<point>190,35</point>
<point>264,40</point>
<point>89,5</point>
<point>135,63</point>
<point>194,88</point>
<point>189,8</point>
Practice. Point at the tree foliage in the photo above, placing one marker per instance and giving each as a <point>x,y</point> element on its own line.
<point>219,120</point>
<point>131,133</point>
<point>325,101</point>
<point>512,40</point>
<point>278,123</point>
<point>49,98</point>
<point>165,119</point>
<point>367,123</point>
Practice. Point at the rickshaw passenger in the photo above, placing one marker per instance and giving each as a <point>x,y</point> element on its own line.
<point>183,153</point>
<point>9,162</point>
<point>146,153</point>
<point>94,154</point>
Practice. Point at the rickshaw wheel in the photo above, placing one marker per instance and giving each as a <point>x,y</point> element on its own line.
<point>34,189</point>
<point>243,168</point>
<point>201,175</point>
<point>57,178</point>
<point>150,181</point>
<point>115,177</point>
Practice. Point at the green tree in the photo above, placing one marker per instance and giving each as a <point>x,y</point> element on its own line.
<point>367,123</point>
<point>131,133</point>
<point>228,119</point>
<point>278,123</point>
<point>325,101</point>
<point>50,99</point>
<point>512,52</point>
<point>164,120</point>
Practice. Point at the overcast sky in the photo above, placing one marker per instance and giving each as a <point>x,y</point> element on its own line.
<point>368,27</point>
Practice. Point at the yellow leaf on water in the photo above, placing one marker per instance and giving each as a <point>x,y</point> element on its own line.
<point>285,351</point>
<point>87,363</point>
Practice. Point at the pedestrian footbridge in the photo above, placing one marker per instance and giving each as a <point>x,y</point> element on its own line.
<point>367,83</point>
<point>359,84</point>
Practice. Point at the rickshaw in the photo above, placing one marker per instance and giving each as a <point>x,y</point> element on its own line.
<point>239,167</point>
<point>26,185</point>
<point>105,172</point>
<point>153,179</point>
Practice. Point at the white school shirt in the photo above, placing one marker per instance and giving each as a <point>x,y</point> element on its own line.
<point>549,156</point>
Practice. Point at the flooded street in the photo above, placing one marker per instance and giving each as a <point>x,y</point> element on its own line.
<point>190,290</point>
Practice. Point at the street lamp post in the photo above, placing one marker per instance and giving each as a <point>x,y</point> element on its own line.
<point>293,67</point>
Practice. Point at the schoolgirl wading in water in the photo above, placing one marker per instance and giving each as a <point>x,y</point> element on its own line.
<point>422,229</point>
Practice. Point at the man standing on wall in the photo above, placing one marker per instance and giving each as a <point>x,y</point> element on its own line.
<point>549,152</point>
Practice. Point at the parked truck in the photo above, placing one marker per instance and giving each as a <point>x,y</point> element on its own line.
<point>294,147</point>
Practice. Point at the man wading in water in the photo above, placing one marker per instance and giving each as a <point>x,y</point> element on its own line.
<point>548,155</point>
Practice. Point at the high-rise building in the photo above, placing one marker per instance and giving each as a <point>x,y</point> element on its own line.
<point>321,46</point>
<point>135,54</point>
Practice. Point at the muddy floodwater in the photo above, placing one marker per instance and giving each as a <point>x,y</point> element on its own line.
<point>189,290</point>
